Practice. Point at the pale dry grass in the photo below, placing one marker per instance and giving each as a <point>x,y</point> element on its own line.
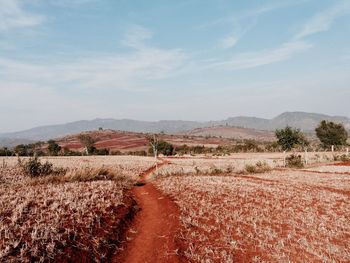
<point>331,169</point>
<point>47,218</point>
<point>332,182</point>
<point>274,217</point>
<point>234,162</point>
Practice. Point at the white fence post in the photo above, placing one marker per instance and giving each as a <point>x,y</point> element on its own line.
<point>284,158</point>
<point>332,148</point>
<point>305,157</point>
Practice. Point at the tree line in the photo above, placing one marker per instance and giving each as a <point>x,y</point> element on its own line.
<point>329,134</point>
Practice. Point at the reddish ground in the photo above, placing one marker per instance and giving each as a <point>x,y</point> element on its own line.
<point>153,231</point>
<point>131,141</point>
<point>309,171</point>
<point>343,164</point>
<point>115,229</point>
<point>233,132</point>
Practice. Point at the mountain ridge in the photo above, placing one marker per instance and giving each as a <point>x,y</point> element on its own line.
<point>303,120</point>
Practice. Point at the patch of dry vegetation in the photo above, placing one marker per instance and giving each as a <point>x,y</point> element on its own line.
<point>237,163</point>
<point>271,217</point>
<point>76,216</point>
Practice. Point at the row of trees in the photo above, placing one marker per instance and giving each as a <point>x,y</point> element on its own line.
<point>329,133</point>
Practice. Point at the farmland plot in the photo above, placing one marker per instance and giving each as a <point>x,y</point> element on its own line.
<point>281,216</point>
<point>233,163</point>
<point>70,217</point>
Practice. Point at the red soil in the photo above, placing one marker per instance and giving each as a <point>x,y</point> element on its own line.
<point>232,132</point>
<point>131,141</point>
<point>343,164</point>
<point>309,171</point>
<point>112,229</point>
<point>154,228</point>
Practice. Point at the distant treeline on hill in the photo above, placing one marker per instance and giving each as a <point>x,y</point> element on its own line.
<point>330,135</point>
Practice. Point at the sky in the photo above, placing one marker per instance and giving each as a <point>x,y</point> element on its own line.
<point>67,60</point>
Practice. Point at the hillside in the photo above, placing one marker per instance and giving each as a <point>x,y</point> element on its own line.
<point>302,120</point>
<point>131,141</point>
<point>305,121</point>
<point>232,133</point>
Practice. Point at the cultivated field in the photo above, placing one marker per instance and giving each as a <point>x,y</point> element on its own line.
<point>73,217</point>
<point>131,141</point>
<point>234,162</point>
<point>224,213</point>
<point>278,216</point>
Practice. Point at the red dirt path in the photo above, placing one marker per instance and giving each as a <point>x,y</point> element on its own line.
<point>343,164</point>
<point>154,227</point>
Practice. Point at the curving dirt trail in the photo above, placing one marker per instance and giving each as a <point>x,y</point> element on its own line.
<point>152,233</point>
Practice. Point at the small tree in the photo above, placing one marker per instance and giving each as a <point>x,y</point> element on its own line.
<point>88,142</point>
<point>53,148</point>
<point>330,133</point>
<point>162,147</point>
<point>288,138</point>
<point>154,143</point>
<point>21,150</point>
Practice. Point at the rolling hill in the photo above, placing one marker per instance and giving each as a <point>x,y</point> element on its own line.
<point>305,121</point>
<point>232,133</point>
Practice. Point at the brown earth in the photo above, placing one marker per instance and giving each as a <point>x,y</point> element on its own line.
<point>115,229</point>
<point>152,234</point>
<point>342,164</point>
<point>132,141</point>
<point>232,132</point>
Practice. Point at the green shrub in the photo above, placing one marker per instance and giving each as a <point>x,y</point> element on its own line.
<point>250,168</point>
<point>259,167</point>
<point>215,170</point>
<point>343,158</point>
<point>331,133</point>
<point>294,161</point>
<point>288,138</point>
<point>33,167</point>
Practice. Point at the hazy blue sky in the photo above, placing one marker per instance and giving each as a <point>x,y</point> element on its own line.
<point>65,60</point>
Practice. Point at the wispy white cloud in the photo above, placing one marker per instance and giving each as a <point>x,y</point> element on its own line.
<point>126,71</point>
<point>235,36</point>
<point>67,87</point>
<point>248,14</point>
<point>13,15</point>
<point>265,57</point>
<point>136,36</point>
<point>228,41</point>
<point>323,21</point>
<point>70,3</point>
<point>243,22</point>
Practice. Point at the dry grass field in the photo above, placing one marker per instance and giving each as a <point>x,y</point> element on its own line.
<point>278,216</point>
<point>234,162</point>
<point>226,213</point>
<point>78,216</point>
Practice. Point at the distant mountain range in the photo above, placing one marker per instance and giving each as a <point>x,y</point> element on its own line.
<point>305,121</point>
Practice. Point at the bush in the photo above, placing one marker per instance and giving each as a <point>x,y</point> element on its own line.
<point>163,147</point>
<point>215,170</point>
<point>5,152</point>
<point>53,148</point>
<point>259,167</point>
<point>33,167</point>
<point>250,168</point>
<point>288,138</point>
<point>330,133</point>
<point>294,161</point>
<point>343,158</point>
